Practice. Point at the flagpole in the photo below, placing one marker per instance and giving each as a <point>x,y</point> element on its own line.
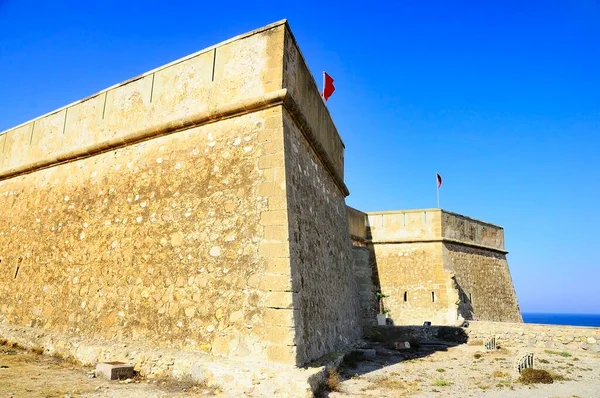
<point>323,86</point>
<point>437,184</point>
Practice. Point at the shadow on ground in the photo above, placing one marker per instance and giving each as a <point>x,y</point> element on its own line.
<point>386,345</point>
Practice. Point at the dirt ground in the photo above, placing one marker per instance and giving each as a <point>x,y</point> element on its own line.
<point>26,375</point>
<point>461,371</point>
<point>468,371</point>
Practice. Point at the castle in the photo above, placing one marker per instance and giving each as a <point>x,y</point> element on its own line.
<point>201,207</point>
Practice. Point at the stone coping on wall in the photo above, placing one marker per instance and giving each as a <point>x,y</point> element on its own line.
<point>431,210</point>
<point>423,226</point>
<point>150,72</point>
<point>26,154</point>
<point>192,120</point>
<point>442,240</point>
<point>560,337</point>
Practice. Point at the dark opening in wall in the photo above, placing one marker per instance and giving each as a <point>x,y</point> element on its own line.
<point>405,296</point>
<point>470,298</point>
<point>433,297</point>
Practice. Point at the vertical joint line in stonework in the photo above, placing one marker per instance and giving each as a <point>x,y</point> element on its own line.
<point>31,137</point>
<point>65,122</point>
<point>104,106</point>
<point>152,87</point>
<point>214,63</point>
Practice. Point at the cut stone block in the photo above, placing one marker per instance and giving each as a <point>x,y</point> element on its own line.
<point>114,370</point>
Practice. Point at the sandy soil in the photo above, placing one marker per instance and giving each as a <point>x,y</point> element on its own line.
<point>27,375</point>
<point>468,371</point>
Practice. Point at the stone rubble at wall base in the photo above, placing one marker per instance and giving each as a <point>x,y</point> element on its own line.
<point>235,378</point>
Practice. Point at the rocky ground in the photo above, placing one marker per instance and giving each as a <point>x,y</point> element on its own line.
<point>431,371</point>
<point>27,374</point>
<point>467,371</point>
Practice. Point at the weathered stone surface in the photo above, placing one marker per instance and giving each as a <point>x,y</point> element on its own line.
<point>434,266</point>
<point>329,316</point>
<point>160,210</point>
<point>114,370</point>
<point>231,376</point>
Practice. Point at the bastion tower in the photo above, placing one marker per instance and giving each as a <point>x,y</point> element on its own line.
<point>201,207</point>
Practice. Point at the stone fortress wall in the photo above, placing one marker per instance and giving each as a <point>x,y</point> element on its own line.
<point>200,207</point>
<point>436,266</point>
<point>183,209</point>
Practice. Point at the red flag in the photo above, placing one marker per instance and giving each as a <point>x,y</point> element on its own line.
<point>328,88</point>
<point>439,179</point>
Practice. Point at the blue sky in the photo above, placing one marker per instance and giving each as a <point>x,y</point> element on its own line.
<point>502,98</point>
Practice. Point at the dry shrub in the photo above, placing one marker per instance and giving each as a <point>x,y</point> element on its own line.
<point>333,380</point>
<point>563,354</point>
<point>535,376</point>
<point>185,383</point>
<point>66,358</point>
<point>477,355</point>
<point>558,377</point>
<point>442,383</point>
<point>394,384</point>
<point>499,373</point>
<point>37,350</point>
<point>503,383</point>
<point>475,342</point>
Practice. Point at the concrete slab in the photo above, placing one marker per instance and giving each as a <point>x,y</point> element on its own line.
<point>114,370</point>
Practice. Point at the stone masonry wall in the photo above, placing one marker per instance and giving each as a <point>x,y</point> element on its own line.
<point>326,315</point>
<point>155,211</point>
<point>416,284</point>
<point>326,296</point>
<point>484,283</point>
<point>465,229</point>
<point>367,285</point>
<point>155,242</point>
<point>556,337</point>
<point>439,266</point>
<point>364,269</point>
<point>184,209</point>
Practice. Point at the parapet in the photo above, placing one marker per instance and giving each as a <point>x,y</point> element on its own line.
<point>425,225</point>
<point>256,70</point>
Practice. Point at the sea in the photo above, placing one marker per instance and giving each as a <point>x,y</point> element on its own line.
<point>562,319</point>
